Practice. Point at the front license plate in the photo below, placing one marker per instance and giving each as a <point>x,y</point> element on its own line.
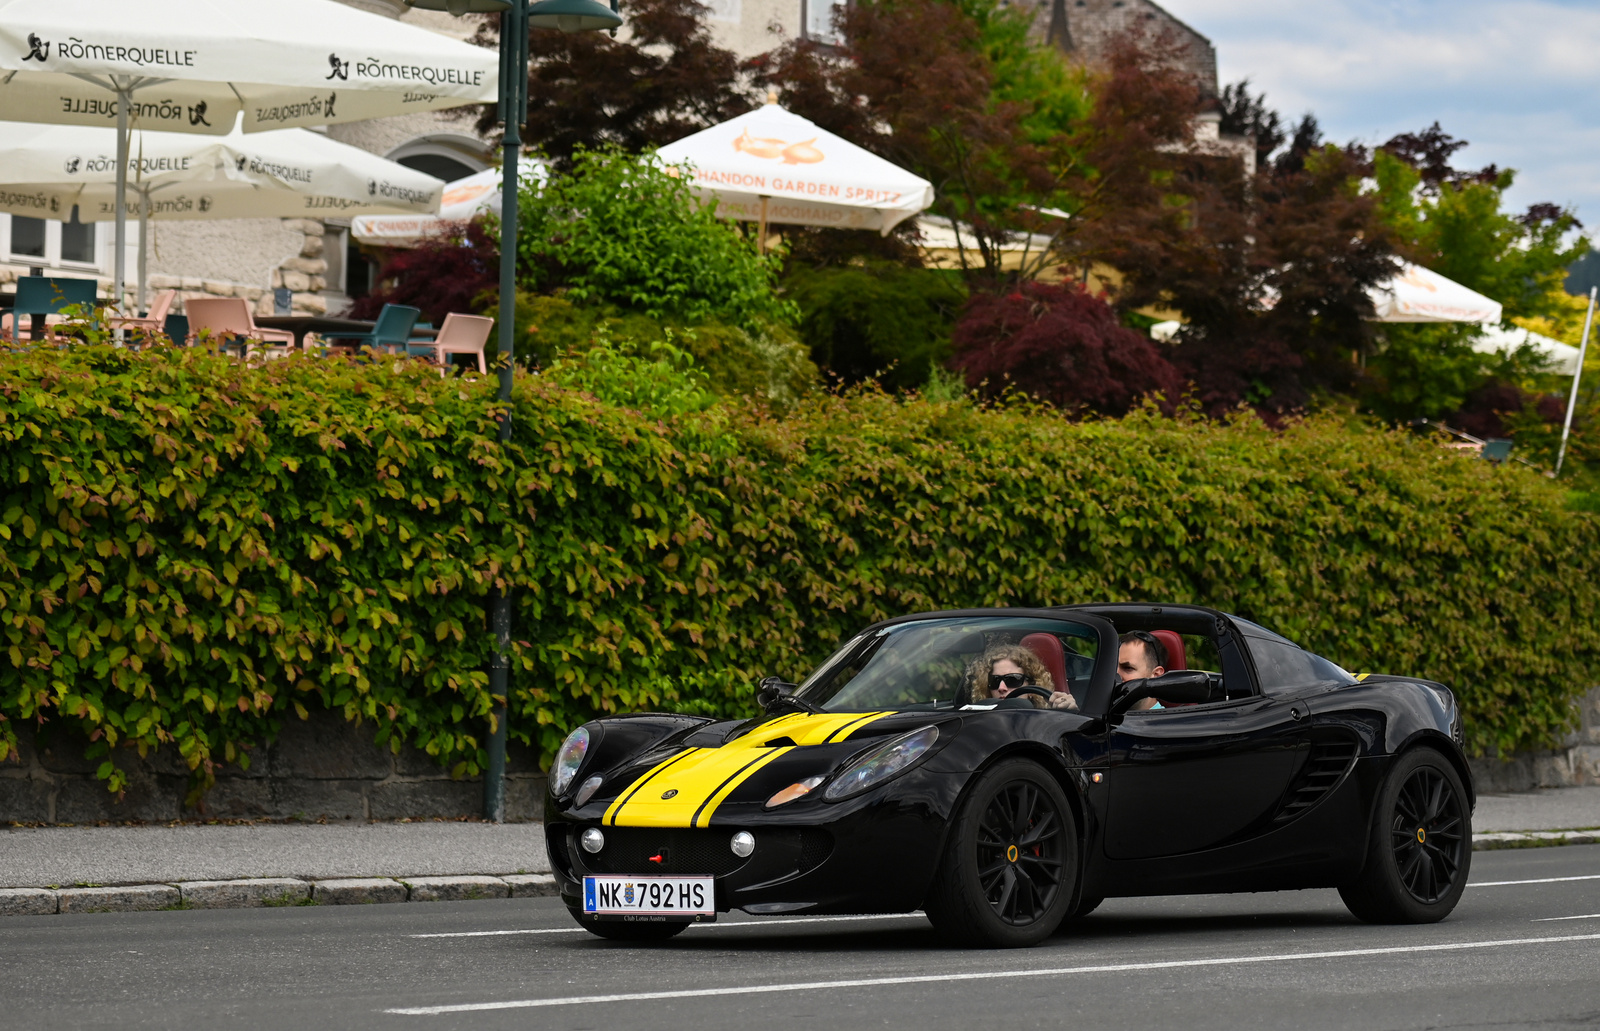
<point>656,896</point>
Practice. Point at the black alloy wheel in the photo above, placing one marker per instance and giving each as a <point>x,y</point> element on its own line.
<point>1426,835</point>
<point>1019,853</point>
<point>1420,849</point>
<point>1011,860</point>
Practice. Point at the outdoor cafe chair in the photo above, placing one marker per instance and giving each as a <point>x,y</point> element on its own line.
<point>48,296</point>
<point>460,334</point>
<point>152,321</point>
<point>390,333</point>
<point>227,320</point>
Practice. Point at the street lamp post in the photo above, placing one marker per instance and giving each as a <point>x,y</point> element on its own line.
<point>515,20</point>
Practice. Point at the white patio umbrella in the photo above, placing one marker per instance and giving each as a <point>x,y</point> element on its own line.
<point>283,173</point>
<point>463,199</point>
<point>1558,357</point>
<point>771,165</point>
<point>195,66</point>
<point>1417,294</point>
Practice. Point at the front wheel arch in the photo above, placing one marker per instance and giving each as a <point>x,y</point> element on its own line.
<point>1052,763</point>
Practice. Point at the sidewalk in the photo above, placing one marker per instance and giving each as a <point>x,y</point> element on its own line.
<point>1554,816</point>
<point>35,856</point>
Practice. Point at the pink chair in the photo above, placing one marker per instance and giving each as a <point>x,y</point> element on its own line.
<point>9,330</point>
<point>226,318</point>
<point>151,323</point>
<point>460,334</point>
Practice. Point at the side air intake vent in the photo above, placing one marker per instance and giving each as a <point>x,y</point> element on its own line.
<point>1330,757</point>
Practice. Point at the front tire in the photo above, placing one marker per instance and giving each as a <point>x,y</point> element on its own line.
<point>1011,861</point>
<point>630,930</point>
<point>1420,847</point>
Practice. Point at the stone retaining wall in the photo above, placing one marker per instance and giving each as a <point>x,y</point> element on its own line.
<point>1578,762</point>
<point>321,768</point>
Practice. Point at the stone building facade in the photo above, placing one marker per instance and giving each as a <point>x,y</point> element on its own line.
<point>1086,29</point>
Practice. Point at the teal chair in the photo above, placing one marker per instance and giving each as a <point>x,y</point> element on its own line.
<point>44,296</point>
<point>391,332</point>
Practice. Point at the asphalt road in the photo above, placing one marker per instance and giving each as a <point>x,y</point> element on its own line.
<point>1522,951</point>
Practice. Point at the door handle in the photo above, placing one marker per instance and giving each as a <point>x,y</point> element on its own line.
<point>1298,711</point>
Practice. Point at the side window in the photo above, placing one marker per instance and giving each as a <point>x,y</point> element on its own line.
<point>1284,667</point>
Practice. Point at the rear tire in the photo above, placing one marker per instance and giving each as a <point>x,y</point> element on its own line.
<point>1420,845</point>
<point>630,930</point>
<point>1011,861</point>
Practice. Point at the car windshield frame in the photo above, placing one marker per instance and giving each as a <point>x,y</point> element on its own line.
<point>931,653</point>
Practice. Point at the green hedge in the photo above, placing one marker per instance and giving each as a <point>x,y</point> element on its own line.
<point>192,551</point>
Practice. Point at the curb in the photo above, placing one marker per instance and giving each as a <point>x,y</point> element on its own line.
<point>1532,839</point>
<point>270,891</point>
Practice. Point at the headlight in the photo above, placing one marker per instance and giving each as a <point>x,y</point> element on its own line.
<point>568,758</point>
<point>885,761</point>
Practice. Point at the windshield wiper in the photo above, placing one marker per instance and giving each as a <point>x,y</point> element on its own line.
<point>773,695</point>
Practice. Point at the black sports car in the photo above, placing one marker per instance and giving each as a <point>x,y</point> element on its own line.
<point>897,777</point>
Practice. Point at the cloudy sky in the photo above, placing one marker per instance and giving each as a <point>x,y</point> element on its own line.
<point>1519,79</point>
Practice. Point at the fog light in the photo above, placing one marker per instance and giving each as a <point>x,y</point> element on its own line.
<point>743,844</point>
<point>586,792</point>
<point>592,840</point>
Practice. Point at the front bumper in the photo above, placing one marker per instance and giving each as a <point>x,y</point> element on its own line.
<point>878,859</point>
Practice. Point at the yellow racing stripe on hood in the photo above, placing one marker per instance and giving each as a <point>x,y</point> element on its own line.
<point>686,789</point>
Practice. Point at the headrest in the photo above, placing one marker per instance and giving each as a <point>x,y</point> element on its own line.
<point>1176,658</point>
<point>1047,647</point>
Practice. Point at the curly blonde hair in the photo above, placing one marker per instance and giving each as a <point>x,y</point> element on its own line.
<point>1032,668</point>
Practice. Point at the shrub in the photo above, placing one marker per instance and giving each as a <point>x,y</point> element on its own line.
<point>1062,346</point>
<point>622,230</point>
<point>193,550</point>
<point>876,321</point>
<point>766,363</point>
<point>455,273</point>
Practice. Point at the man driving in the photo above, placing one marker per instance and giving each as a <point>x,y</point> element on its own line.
<point>1141,655</point>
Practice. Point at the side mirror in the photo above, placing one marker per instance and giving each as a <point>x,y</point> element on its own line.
<point>1182,687</point>
<point>769,690</point>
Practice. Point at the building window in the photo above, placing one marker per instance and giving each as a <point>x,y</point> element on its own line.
<point>77,240</point>
<point>27,236</point>
<point>819,20</point>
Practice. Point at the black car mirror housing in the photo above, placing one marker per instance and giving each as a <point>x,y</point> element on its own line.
<point>1180,687</point>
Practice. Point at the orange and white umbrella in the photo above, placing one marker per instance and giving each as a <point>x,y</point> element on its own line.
<point>1417,294</point>
<point>771,165</point>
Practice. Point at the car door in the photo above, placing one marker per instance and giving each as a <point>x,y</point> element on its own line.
<point>1194,777</point>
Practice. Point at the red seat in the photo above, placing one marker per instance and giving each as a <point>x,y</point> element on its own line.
<point>1176,658</point>
<point>1047,648</point>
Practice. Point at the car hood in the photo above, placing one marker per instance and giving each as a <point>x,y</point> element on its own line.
<point>682,782</point>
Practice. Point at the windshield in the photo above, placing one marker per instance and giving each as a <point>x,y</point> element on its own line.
<point>938,663</point>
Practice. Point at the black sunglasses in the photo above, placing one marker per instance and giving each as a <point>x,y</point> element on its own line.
<point>1011,680</point>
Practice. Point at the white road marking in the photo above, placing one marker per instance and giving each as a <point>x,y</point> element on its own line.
<point>766,922</point>
<point>1534,880</point>
<point>1583,916</point>
<point>879,982</point>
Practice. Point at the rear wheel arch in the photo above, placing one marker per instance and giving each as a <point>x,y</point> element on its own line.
<point>1437,742</point>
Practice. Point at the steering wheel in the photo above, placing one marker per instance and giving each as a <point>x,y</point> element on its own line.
<point>1026,689</point>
